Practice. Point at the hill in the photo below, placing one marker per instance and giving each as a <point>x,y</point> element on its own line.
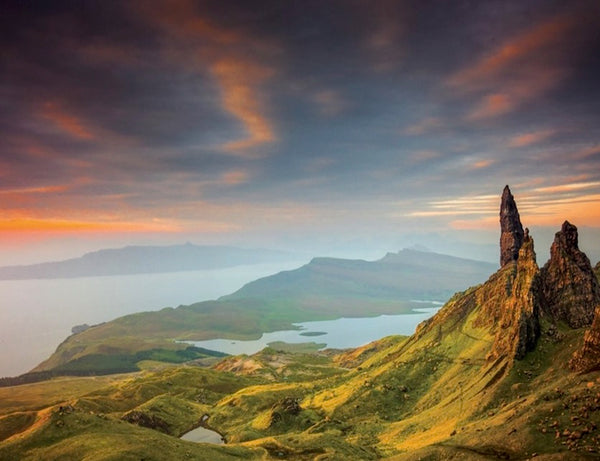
<point>144,259</point>
<point>326,288</point>
<point>408,274</point>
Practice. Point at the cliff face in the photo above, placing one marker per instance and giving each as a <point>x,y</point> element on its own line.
<point>588,357</point>
<point>511,229</point>
<point>510,306</point>
<point>570,289</point>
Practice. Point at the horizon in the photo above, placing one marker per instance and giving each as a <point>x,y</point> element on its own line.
<point>339,129</point>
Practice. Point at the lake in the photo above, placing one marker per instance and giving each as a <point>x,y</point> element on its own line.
<point>342,333</point>
<point>37,315</point>
<point>201,434</point>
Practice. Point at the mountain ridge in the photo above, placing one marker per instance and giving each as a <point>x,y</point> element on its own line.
<point>140,259</point>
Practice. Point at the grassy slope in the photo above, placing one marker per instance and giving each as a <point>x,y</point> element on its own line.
<point>432,396</point>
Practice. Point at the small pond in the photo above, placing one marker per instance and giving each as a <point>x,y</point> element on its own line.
<point>201,434</point>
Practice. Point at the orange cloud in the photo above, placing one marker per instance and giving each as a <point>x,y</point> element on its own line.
<point>237,80</point>
<point>35,190</point>
<point>569,187</point>
<point>522,68</point>
<point>67,123</point>
<point>491,106</point>
<point>527,139</point>
<point>542,206</point>
<point>515,50</point>
<point>67,226</point>
<point>235,177</point>
<point>587,152</point>
<point>197,43</point>
<point>481,164</point>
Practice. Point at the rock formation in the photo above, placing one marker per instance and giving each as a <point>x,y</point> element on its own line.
<point>588,357</point>
<point>570,289</point>
<point>510,306</point>
<point>511,236</point>
<point>508,303</point>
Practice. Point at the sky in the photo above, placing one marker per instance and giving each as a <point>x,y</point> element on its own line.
<point>342,127</point>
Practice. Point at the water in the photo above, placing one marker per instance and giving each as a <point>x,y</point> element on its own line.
<point>36,315</point>
<point>339,334</point>
<point>201,434</point>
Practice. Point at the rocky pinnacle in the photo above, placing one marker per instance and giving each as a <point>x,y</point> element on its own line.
<point>511,236</point>
<point>570,288</point>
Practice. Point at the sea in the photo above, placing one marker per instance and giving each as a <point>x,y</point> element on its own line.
<point>37,315</point>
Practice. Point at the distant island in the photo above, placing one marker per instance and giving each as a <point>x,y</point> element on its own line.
<point>145,260</point>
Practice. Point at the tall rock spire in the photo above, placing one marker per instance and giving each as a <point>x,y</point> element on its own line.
<point>570,288</point>
<point>511,236</point>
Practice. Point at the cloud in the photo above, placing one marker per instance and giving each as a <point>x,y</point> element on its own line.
<point>527,139</point>
<point>330,102</point>
<point>73,225</point>
<point>424,126</point>
<point>568,187</point>
<point>238,81</point>
<point>586,152</point>
<point>522,68</point>
<point>35,190</point>
<point>383,40</point>
<point>493,105</point>
<point>235,177</point>
<point>66,122</point>
<point>236,61</point>
<point>424,155</point>
<point>481,164</point>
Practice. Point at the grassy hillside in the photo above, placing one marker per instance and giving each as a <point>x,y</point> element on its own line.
<point>323,289</point>
<point>440,394</point>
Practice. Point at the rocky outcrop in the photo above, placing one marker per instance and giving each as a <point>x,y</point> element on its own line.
<point>570,289</point>
<point>146,420</point>
<point>511,229</point>
<point>285,409</point>
<point>510,306</point>
<point>588,357</point>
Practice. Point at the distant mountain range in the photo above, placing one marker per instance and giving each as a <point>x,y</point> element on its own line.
<point>144,260</point>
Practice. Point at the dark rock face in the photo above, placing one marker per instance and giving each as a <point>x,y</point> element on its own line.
<point>284,409</point>
<point>588,357</point>
<point>511,236</point>
<point>570,289</point>
<point>146,420</point>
